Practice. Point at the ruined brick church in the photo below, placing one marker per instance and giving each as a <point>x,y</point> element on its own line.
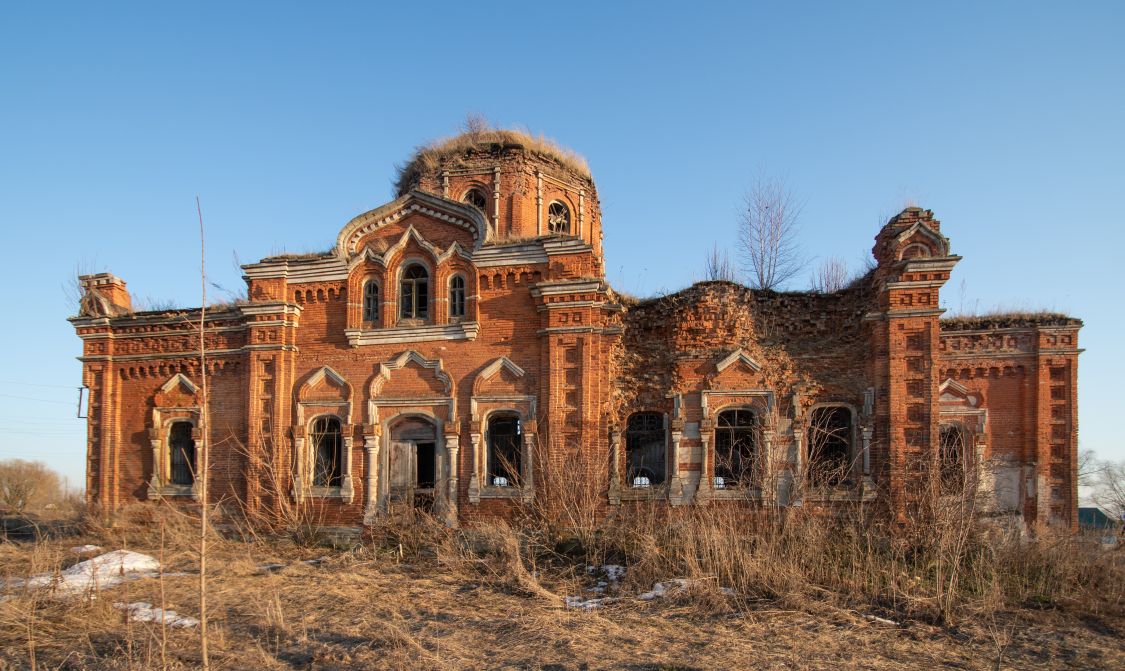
<point>459,344</point>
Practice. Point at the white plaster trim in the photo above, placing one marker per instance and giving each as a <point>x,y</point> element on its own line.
<point>530,254</point>
<point>327,372</point>
<point>941,240</point>
<point>737,355</point>
<point>436,207</point>
<point>385,370</point>
<point>412,334</point>
<point>179,379</point>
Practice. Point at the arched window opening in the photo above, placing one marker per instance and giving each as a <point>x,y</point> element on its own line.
<point>558,217</point>
<point>371,301</point>
<point>830,445</point>
<point>327,445</point>
<point>915,250</point>
<point>951,459</point>
<point>182,447</point>
<point>477,199</point>
<point>645,449</point>
<point>414,299</point>
<point>505,450</point>
<point>736,448</point>
<point>457,296</point>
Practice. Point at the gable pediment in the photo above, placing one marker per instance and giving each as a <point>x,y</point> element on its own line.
<point>737,370</point>
<point>952,392</point>
<point>411,375</point>
<point>501,376</point>
<point>177,392</point>
<point>325,385</point>
<point>937,243</point>
<point>349,241</point>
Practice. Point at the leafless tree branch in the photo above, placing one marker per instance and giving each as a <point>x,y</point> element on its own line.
<point>767,234</point>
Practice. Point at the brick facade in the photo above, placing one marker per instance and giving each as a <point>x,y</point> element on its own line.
<point>346,385</point>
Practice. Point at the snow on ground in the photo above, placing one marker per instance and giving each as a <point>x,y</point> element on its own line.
<point>83,549</point>
<point>142,611</point>
<point>587,604</point>
<point>661,589</point>
<point>105,570</point>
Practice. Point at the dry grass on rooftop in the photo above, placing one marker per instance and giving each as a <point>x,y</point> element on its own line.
<point>484,138</point>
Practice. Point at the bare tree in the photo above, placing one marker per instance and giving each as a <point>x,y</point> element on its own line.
<point>767,234</point>
<point>27,484</point>
<point>1108,482</point>
<point>719,266</point>
<point>830,276</point>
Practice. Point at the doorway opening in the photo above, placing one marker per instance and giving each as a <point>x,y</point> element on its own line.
<point>414,466</point>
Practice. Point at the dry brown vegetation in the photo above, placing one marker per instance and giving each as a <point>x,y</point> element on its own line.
<point>479,135</point>
<point>773,588</point>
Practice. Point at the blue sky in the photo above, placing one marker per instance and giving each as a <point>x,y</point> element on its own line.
<point>1005,118</point>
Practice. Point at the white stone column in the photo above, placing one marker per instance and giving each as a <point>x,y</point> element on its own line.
<point>347,489</point>
<point>157,479</point>
<point>615,464</point>
<point>371,445</point>
<point>474,477</point>
<point>452,448</point>
<point>528,492</point>
<point>676,482</point>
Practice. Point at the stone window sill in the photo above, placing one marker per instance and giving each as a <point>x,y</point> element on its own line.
<point>461,330</point>
<point>172,490</point>
<point>650,493</point>
<point>326,492</point>
<point>736,494</point>
<point>505,493</point>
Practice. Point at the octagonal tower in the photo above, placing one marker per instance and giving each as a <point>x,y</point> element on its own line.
<point>527,187</point>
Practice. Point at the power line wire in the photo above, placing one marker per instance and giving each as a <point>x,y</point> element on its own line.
<point>38,384</point>
<point>41,400</point>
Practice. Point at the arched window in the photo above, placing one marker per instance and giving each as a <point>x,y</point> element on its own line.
<point>505,450</point>
<point>182,453</point>
<point>328,457</point>
<point>414,298</point>
<point>830,445</point>
<point>457,296</point>
<point>736,448</point>
<point>645,449</point>
<point>371,301</point>
<point>951,458</point>
<point>476,198</point>
<point>558,217</point>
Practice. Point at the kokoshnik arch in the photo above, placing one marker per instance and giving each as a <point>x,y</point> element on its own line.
<point>458,339</point>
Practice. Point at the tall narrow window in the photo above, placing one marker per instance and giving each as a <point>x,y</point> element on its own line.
<point>328,457</point>
<point>505,450</point>
<point>951,466</point>
<point>457,296</point>
<point>414,298</point>
<point>830,443</point>
<point>558,218</point>
<point>371,301</point>
<point>477,199</point>
<point>736,448</point>
<point>182,447</point>
<point>644,449</point>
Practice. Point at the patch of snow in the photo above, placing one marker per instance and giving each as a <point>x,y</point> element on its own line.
<point>142,611</point>
<point>105,570</point>
<point>83,549</point>
<point>614,572</point>
<point>587,604</point>
<point>661,589</point>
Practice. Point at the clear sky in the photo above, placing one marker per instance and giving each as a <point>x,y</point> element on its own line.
<point>1005,118</point>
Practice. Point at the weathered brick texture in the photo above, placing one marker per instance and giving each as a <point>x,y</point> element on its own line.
<point>418,396</point>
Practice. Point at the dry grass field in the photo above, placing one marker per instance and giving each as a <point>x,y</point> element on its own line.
<point>800,593</point>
